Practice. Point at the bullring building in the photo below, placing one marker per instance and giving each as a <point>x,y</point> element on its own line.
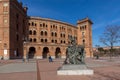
<point>22,35</point>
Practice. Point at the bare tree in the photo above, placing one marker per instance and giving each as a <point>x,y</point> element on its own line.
<point>110,37</point>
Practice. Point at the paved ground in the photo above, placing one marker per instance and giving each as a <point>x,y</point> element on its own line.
<point>18,70</point>
<point>104,69</point>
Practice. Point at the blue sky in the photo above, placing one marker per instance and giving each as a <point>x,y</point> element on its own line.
<point>101,12</point>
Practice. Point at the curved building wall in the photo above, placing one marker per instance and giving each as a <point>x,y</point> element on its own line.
<point>50,37</point>
<point>46,36</point>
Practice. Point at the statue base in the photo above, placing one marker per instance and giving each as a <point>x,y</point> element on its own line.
<point>80,69</point>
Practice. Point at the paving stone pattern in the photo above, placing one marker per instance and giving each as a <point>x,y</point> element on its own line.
<point>104,69</point>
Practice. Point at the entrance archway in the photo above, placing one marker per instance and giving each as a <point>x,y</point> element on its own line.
<point>57,53</point>
<point>45,52</point>
<point>32,51</point>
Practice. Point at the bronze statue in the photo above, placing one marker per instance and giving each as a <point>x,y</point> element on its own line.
<point>75,53</point>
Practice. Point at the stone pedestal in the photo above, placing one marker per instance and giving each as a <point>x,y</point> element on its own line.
<point>80,69</point>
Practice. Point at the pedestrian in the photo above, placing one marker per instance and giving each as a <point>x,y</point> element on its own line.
<point>27,57</point>
<point>50,58</point>
<point>23,59</point>
<point>97,57</point>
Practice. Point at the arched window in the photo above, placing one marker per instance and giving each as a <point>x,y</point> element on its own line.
<point>41,33</point>
<point>34,40</point>
<point>35,24</point>
<point>40,25</point>
<point>83,41</point>
<point>46,25</point>
<point>64,41</point>
<point>55,41</point>
<point>29,24</point>
<point>61,41</point>
<point>55,34</point>
<point>45,33</point>
<point>43,24</point>
<point>41,40</point>
<point>30,39</point>
<point>30,32</point>
<point>34,32</point>
<point>80,28</point>
<point>53,26</point>
<point>85,26</point>
<point>45,40</point>
<point>64,35</point>
<point>61,35</point>
<point>52,34</point>
<point>32,24</point>
<point>52,41</point>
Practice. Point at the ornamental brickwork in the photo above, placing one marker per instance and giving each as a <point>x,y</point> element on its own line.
<point>37,37</point>
<point>48,36</point>
<point>13,26</point>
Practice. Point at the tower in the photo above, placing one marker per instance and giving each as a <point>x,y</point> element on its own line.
<point>13,24</point>
<point>85,35</point>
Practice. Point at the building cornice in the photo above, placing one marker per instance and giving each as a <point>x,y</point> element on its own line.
<point>52,20</point>
<point>84,20</point>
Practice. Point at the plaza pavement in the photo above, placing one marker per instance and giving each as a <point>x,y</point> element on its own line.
<point>104,69</point>
<point>18,70</point>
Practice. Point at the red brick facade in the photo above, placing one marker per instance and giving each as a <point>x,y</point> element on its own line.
<point>46,36</point>
<point>49,36</point>
<point>13,25</point>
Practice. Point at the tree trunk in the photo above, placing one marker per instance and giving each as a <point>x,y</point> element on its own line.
<point>111,51</point>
